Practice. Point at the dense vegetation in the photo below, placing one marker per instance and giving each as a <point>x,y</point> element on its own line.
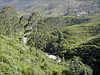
<point>22,60</point>
<point>78,40</point>
<point>62,31</point>
<point>64,21</point>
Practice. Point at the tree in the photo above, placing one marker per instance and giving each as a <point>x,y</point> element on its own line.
<point>37,30</point>
<point>22,23</point>
<point>9,19</point>
<point>1,27</point>
<point>88,12</point>
<point>78,67</point>
<point>68,10</point>
<point>60,39</point>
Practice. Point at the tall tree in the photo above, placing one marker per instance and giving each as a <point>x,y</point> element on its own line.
<point>68,10</point>
<point>9,19</point>
<point>22,23</point>
<point>60,39</point>
<point>1,26</point>
<point>37,30</point>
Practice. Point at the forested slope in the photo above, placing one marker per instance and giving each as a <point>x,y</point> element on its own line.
<point>64,21</point>
<point>89,52</point>
<point>22,60</point>
<point>75,39</point>
<point>81,40</point>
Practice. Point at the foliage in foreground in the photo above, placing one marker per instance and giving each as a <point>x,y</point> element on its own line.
<point>20,60</point>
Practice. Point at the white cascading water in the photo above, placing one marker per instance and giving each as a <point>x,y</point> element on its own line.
<point>53,57</point>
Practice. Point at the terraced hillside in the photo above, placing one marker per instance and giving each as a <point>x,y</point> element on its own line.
<point>77,33</point>
<point>61,22</point>
<point>81,40</point>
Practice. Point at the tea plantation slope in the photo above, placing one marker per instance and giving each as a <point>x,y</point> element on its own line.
<point>81,33</point>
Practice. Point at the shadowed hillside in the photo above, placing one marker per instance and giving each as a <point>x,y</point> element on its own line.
<point>81,40</point>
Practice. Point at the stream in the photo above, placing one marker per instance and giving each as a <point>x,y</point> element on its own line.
<point>53,56</point>
<point>47,54</point>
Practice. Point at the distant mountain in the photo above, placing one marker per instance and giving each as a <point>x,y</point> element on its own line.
<point>5,1</point>
<point>48,8</point>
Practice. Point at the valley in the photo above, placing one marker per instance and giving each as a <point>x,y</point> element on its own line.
<point>47,37</point>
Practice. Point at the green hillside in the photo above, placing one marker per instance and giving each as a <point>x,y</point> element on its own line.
<point>81,40</point>
<point>88,43</point>
<point>61,22</point>
<point>76,33</point>
<point>90,53</point>
<point>62,30</point>
<point>20,60</point>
